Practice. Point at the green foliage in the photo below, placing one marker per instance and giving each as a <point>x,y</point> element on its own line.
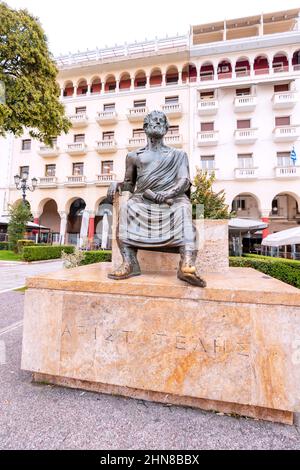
<point>22,243</point>
<point>285,270</point>
<point>100,256</point>
<point>8,255</point>
<point>28,72</point>
<point>5,246</point>
<point>292,262</point>
<point>39,253</point>
<point>202,193</point>
<point>19,216</point>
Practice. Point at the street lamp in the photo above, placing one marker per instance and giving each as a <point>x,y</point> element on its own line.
<point>22,185</point>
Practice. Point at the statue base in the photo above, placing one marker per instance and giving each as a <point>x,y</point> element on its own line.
<point>232,347</point>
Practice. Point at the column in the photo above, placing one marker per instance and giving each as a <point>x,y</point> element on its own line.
<point>75,91</point>
<point>63,227</point>
<point>61,92</point>
<point>252,69</point>
<point>88,89</point>
<point>132,84</point>
<point>147,81</point>
<point>163,83</point>
<point>180,78</point>
<point>290,63</point>
<point>91,229</point>
<point>117,86</point>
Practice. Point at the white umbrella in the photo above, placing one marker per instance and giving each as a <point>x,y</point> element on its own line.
<point>246,225</point>
<point>290,236</point>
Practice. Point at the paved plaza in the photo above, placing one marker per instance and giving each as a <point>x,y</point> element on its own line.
<point>14,274</point>
<point>48,417</point>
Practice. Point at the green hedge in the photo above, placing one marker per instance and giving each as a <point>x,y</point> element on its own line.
<point>285,270</point>
<point>91,257</point>
<point>22,243</point>
<point>5,246</point>
<point>39,253</point>
<point>292,262</point>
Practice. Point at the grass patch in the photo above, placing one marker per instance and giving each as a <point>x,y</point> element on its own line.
<point>21,289</point>
<point>6,255</point>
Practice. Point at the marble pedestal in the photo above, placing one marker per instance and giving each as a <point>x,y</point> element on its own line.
<point>232,347</point>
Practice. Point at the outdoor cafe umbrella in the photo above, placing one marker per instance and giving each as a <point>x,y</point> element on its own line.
<point>290,236</point>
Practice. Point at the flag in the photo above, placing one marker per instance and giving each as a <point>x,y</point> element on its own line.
<point>293,156</point>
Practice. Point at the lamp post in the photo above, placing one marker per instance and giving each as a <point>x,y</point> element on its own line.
<point>22,184</point>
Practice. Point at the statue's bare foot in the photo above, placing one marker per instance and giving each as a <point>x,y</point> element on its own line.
<point>189,274</point>
<point>125,271</point>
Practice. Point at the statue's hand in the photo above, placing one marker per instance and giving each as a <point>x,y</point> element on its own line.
<point>164,197</point>
<point>112,190</point>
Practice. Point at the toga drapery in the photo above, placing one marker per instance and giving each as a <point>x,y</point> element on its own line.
<point>145,224</point>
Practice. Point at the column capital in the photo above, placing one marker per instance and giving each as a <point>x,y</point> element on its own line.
<point>62,214</point>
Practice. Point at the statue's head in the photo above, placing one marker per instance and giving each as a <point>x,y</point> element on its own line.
<point>156,124</point>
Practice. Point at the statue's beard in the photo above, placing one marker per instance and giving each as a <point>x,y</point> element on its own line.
<point>156,134</point>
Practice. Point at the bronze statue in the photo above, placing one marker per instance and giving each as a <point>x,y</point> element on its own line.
<point>158,214</point>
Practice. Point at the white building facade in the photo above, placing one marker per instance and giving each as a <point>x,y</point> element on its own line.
<point>231,93</point>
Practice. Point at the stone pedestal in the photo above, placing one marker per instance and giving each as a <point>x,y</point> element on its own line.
<point>231,347</point>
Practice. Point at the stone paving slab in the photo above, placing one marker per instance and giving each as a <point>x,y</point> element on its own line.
<point>14,275</point>
<point>48,417</point>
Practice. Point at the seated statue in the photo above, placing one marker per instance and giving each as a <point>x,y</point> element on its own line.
<point>158,214</point>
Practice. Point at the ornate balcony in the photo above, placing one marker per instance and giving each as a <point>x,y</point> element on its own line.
<point>285,99</point>
<point>245,173</point>
<point>206,107</point>
<point>245,136</point>
<point>48,182</point>
<point>287,172</point>
<point>136,142</point>
<point>107,117</point>
<point>76,181</point>
<point>105,179</point>
<point>285,133</point>
<point>79,120</point>
<point>208,138</point>
<point>137,114</point>
<point>172,110</point>
<point>77,148</point>
<point>46,151</point>
<point>246,103</point>
<point>106,146</point>
<point>174,140</point>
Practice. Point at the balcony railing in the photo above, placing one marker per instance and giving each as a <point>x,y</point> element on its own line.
<point>287,172</point>
<point>46,151</point>
<point>106,146</point>
<point>77,148</point>
<point>48,182</point>
<point>285,133</point>
<point>245,136</point>
<point>172,110</point>
<point>136,142</point>
<point>78,180</point>
<point>208,106</point>
<point>285,99</point>
<point>174,140</point>
<point>107,117</point>
<point>245,173</point>
<point>105,179</point>
<point>79,120</point>
<point>245,103</point>
<point>207,138</point>
<point>210,172</point>
<point>137,114</point>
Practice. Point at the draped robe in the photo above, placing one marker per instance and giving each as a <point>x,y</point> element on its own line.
<point>144,224</point>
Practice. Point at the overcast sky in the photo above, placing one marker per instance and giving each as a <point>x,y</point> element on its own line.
<point>73,25</point>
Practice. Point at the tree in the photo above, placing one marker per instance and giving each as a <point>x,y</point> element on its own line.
<point>28,74</point>
<point>19,216</point>
<point>213,203</point>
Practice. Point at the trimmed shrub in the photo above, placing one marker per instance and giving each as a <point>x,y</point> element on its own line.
<point>39,253</point>
<point>100,256</point>
<point>22,243</point>
<point>285,270</point>
<point>5,246</point>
